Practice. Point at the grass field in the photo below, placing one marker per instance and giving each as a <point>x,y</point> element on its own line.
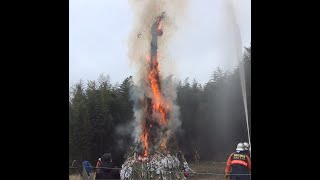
<point>208,167</point>
<point>203,167</point>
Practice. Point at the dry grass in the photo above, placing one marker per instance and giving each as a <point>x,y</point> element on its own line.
<point>208,167</point>
<point>203,167</point>
<point>78,177</point>
<point>74,177</point>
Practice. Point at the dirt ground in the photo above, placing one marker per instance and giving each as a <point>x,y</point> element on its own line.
<point>205,168</point>
<point>202,169</point>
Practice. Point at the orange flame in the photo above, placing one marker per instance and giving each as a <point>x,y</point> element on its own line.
<point>159,104</point>
<point>144,138</point>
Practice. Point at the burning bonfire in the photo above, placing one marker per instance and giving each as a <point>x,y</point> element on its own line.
<point>152,158</point>
<point>156,166</point>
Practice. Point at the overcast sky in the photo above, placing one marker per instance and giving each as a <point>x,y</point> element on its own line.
<point>99,29</point>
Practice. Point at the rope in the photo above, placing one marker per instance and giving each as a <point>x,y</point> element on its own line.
<point>165,171</point>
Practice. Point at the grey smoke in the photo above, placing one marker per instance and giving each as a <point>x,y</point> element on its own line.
<point>145,12</point>
<point>124,129</point>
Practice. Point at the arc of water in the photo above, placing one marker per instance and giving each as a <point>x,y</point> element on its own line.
<point>238,42</point>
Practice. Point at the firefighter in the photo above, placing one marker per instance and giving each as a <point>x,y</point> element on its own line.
<point>238,164</point>
<point>247,148</point>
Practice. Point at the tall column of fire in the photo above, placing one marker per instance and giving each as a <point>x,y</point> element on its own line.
<point>156,109</point>
<point>156,113</point>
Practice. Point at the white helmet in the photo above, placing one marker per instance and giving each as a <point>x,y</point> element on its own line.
<point>246,145</point>
<point>240,147</point>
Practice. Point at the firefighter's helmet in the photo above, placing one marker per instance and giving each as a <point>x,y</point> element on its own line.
<point>246,145</point>
<point>240,147</point>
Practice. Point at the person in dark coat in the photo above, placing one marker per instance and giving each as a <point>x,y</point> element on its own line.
<point>238,165</point>
<point>103,172</point>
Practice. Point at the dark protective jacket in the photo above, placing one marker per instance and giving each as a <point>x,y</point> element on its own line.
<point>238,164</point>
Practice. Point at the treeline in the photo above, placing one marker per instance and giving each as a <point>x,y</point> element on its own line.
<point>213,116</point>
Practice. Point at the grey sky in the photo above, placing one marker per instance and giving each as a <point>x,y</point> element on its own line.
<point>99,29</point>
